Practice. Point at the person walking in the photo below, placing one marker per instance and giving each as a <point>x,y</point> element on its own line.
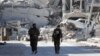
<point>57,37</point>
<point>34,33</point>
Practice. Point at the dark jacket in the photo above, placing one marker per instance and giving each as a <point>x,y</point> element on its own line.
<point>33,32</point>
<point>57,34</point>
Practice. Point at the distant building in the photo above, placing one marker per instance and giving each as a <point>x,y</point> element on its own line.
<point>95,5</point>
<point>85,4</point>
<point>25,10</point>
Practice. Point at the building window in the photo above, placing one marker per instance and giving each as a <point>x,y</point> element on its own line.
<point>89,1</point>
<point>97,1</point>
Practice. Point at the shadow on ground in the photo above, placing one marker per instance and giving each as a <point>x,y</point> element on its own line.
<point>18,49</point>
<point>12,49</point>
<point>65,50</point>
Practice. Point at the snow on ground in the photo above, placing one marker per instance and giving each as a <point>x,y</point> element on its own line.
<point>15,48</point>
<point>94,41</point>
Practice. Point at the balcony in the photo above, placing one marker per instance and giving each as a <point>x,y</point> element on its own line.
<point>95,1</point>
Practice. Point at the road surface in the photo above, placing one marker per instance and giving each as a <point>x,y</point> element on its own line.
<point>15,48</point>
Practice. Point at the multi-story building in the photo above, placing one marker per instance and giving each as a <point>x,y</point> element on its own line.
<point>96,4</point>
<point>84,5</point>
<point>25,11</point>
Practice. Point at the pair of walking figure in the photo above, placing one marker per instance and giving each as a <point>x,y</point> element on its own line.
<point>56,37</point>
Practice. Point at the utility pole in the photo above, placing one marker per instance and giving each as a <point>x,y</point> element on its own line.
<point>86,5</point>
<point>63,7</point>
<point>2,21</point>
<point>81,5</point>
<point>91,9</point>
<point>1,8</point>
<point>89,19</point>
<point>71,6</point>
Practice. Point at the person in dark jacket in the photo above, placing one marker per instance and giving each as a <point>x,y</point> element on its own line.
<point>57,37</point>
<point>34,33</point>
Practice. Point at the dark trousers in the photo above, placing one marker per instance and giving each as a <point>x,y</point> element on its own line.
<point>57,45</point>
<point>33,43</point>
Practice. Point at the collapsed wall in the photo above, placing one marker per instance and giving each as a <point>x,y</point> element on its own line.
<point>33,11</point>
<point>30,15</point>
